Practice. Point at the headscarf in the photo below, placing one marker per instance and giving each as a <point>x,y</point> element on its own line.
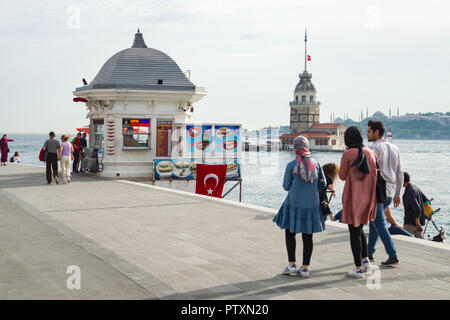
<point>304,166</point>
<point>353,139</point>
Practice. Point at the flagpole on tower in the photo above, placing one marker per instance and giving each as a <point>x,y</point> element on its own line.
<point>306,39</point>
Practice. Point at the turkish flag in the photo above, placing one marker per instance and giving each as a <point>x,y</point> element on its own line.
<point>309,57</point>
<point>210,179</point>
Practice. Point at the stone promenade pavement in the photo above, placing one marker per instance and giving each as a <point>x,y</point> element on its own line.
<point>135,241</point>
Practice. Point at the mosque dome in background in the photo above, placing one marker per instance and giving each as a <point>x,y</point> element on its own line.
<point>140,68</point>
<point>378,114</point>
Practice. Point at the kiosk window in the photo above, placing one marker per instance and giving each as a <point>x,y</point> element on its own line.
<point>98,133</point>
<point>136,133</point>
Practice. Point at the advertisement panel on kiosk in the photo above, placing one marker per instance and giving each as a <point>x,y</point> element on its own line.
<point>199,140</point>
<point>186,168</point>
<point>212,140</point>
<point>201,143</point>
<point>226,139</point>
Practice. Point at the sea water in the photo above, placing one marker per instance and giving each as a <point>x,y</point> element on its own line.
<point>427,162</point>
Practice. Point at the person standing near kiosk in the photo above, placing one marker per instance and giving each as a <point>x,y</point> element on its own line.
<point>76,143</point>
<point>83,145</point>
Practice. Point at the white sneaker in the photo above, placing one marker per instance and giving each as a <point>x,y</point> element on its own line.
<point>304,273</point>
<point>366,265</point>
<point>356,273</point>
<point>290,269</point>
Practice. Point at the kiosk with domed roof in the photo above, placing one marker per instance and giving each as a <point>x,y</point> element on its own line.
<point>136,104</point>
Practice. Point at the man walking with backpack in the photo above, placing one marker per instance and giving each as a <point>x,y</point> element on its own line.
<point>390,168</point>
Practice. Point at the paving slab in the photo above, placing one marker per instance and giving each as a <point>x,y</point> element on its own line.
<point>136,241</point>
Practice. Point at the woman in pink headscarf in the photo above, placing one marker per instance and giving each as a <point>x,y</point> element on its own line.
<point>300,212</point>
<point>4,149</point>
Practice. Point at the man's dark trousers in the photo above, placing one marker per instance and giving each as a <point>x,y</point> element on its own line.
<point>52,164</point>
<point>76,155</point>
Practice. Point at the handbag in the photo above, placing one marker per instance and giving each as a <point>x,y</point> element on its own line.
<point>380,187</point>
<point>72,157</point>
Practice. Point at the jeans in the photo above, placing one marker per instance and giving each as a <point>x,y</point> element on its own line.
<point>338,216</point>
<point>393,229</point>
<point>75,161</point>
<point>399,230</point>
<point>378,228</point>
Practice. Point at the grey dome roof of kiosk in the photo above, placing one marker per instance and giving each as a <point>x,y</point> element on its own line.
<point>140,68</point>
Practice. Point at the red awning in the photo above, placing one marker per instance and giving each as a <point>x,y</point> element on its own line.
<point>84,129</point>
<point>79,100</point>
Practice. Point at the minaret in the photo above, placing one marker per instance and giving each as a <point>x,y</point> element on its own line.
<point>304,107</point>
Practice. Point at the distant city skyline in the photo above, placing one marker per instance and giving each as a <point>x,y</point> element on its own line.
<point>375,55</point>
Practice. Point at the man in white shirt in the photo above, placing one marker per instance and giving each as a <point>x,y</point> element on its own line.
<point>388,158</point>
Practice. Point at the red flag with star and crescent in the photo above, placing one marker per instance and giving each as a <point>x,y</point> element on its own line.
<point>210,179</point>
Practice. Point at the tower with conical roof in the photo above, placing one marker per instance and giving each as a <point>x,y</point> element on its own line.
<point>304,107</point>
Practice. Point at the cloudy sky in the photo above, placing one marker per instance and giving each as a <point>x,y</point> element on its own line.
<point>247,54</point>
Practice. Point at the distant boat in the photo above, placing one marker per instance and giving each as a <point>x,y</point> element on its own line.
<point>389,134</point>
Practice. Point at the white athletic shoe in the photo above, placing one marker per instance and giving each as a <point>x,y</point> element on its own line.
<point>304,273</point>
<point>290,269</point>
<point>356,273</point>
<point>366,265</point>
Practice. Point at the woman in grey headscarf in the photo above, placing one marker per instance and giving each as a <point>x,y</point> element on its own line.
<point>300,212</point>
